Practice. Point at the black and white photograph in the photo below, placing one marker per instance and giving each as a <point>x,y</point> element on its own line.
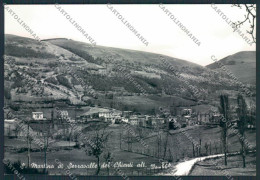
<point>130,90</point>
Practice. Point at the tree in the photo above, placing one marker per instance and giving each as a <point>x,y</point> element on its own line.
<point>108,158</point>
<point>28,142</point>
<point>158,143</point>
<point>224,110</point>
<point>47,134</point>
<point>129,141</point>
<point>193,149</point>
<point>72,132</point>
<point>206,147</point>
<point>96,145</point>
<point>250,17</point>
<point>241,123</point>
<point>16,130</point>
<point>165,144</point>
<point>140,132</point>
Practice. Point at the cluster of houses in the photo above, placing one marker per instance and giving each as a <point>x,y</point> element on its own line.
<point>189,118</point>
<point>117,117</point>
<point>186,118</point>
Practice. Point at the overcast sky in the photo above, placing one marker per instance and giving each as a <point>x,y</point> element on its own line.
<point>164,36</point>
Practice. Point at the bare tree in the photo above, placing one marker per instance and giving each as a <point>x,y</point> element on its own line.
<point>165,144</point>
<point>199,147</point>
<point>193,149</point>
<point>97,144</point>
<point>140,132</point>
<point>216,147</point>
<point>76,137</point>
<point>250,17</point>
<point>210,148</point>
<point>158,143</point>
<point>129,141</point>
<point>206,147</point>
<point>170,155</point>
<point>28,142</point>
<point>108,158</point>
<point>72,132</point>
<point>47,134</point>
<point>224,110</point>
<point>16,130</point>
<point>242,117</point>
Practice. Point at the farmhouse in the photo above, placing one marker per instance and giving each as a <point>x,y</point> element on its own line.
<point>186,111</point>
<point>203,118</point>
<point>38,116</point>
<point>127,113</point>
<point>63,115</point>
<point>133,120</point>
<point>113,116</point>
<point>126,120</point>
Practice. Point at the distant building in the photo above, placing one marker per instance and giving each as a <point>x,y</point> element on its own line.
<point>124,119</point>
<point>109,114</point>
<point>63,115</point>
<point>203,118</point>
<point>187,112</point>
<point>160,120</point>
<point>147,117</point>
<point>153,121</point>
<point>37,116</point>
<point>133,120</point>
<point>216,118</point>
<point>127,113</point>
<point>113,116</point>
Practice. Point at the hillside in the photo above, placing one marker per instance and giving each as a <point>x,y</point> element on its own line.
<point>126,55</point>
<point>241,64</point>
<point>63,69</point>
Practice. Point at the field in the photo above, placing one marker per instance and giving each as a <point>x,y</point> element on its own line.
<point>215,167</point>
<point>178,148</point>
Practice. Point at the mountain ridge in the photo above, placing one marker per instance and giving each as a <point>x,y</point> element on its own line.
<point>242,64</point>
<point>66,68</point>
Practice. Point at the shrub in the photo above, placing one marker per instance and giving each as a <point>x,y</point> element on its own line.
<point>15,107</point>
<point>63,81</point>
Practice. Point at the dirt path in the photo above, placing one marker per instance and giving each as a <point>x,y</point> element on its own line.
<point>184,168</point>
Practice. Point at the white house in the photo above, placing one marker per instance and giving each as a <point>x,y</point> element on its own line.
<point>186,111</point>
<point>133,120</point>
<point>110,114</point>
<point>64,115</point>
<point>126,120</point>
<point>38,116</point>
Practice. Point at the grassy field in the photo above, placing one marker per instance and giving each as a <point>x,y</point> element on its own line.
<point>215,167</point>
<point>178,143</point>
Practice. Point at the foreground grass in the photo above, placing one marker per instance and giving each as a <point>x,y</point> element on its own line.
<point>215,167</point>
<point>178,143</point>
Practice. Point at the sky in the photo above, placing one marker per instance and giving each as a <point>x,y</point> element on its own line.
<point>216,37</point>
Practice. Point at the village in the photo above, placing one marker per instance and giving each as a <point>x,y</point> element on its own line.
<point>184,117</point>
